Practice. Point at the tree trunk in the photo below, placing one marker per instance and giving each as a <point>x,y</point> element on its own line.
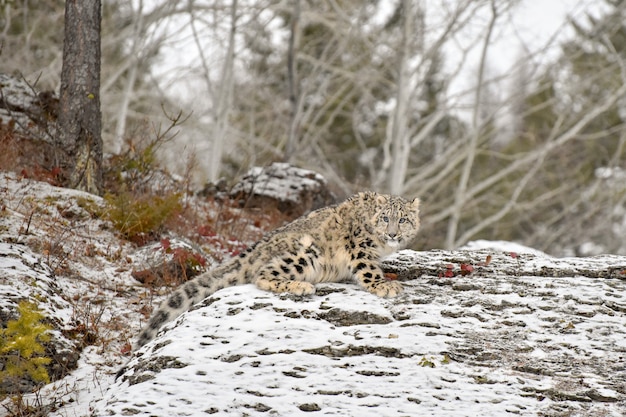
<point>223,103</point>
<point>461,192</point>
<point>292,77</point>
<point>79,116</point>
<point>400,147</point>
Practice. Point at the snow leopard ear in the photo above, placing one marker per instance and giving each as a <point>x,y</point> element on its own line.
<point>416,203</point>
<point>369,195</point>
<point>362,195</point>
<point>381,199</point>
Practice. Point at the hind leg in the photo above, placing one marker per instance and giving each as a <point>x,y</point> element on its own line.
<point>287,274</point>
<point>277,280</point>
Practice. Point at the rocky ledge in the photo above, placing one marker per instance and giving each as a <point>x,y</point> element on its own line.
<point>480,332</point>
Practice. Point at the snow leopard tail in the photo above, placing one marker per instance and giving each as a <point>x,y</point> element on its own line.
<point>192,292</point>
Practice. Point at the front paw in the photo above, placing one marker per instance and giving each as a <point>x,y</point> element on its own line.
<point>300,288</point>
<point>280,286</point>
<point>386,289</point>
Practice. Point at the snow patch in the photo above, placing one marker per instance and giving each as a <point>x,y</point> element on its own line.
<point>502,246</point>
<point>280,181</point>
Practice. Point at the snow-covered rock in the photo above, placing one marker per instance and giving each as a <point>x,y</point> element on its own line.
<point>504,334</point>
<point>290,189</point>
<point>26,109</point>
<point>54,254</point>
<point>23,276</point>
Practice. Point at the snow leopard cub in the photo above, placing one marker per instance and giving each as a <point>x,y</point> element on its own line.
<point>327,245</point>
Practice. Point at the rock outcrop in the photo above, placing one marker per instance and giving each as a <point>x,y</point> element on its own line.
<point>27,129</point>
<point>293,191</point>
<point>476,332</point>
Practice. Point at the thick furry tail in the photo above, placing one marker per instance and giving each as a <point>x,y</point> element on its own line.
<point>180,301</point>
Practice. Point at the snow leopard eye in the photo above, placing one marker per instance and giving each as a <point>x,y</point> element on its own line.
<point>386,219</point>
<point>402,220</point>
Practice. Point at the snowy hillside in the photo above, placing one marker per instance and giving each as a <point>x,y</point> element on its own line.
<point>489,330</point>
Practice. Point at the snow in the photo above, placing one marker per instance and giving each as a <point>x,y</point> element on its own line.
<point>52,252</point>
<point>502,246</point>
<point>24,276</point>
<point>521,334</point>
<point>19,98</point>
<point>280,181</point>
<point>510,345</point>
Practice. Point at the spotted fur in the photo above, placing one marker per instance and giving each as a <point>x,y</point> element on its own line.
<point>328,245</point>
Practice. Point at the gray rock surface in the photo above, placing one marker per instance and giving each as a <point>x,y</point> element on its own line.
<point>23,277</point>
<point>475,333</point>
<point>290,189</point>
<point>27,109</point>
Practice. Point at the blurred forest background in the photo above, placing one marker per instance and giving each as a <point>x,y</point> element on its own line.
<point>398,96</point>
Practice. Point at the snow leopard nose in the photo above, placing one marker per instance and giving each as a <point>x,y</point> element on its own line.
<point>392,231</point>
